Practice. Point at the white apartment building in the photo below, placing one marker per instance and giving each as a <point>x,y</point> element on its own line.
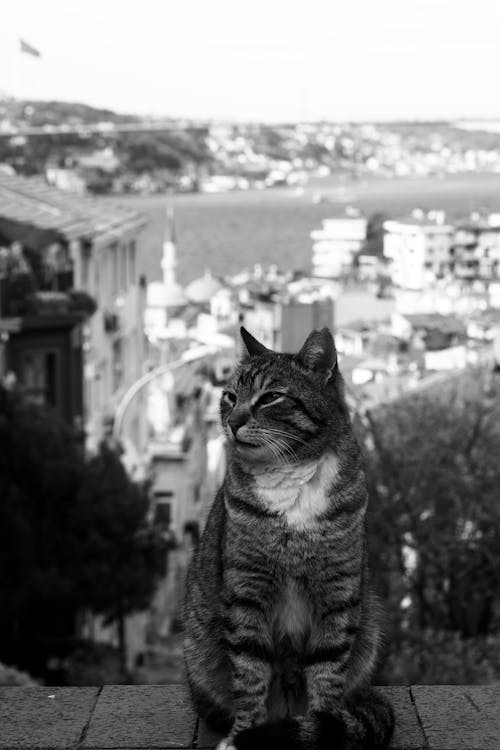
<point>336,244</point>
<point>476,249</point>
<point>418,249</point>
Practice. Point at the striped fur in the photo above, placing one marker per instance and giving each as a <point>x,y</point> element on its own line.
<point>282,633</point>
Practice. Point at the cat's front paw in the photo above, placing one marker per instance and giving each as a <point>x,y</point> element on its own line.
<point>226,744</point>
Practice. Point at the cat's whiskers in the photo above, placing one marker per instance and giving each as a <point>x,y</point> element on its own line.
<point>281,446</point>
<point>276,431</point>
<point>274,447</point>
<point>276,435</point>
<point>287,449</point>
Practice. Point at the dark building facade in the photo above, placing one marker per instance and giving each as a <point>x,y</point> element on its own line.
<point>60,284</point>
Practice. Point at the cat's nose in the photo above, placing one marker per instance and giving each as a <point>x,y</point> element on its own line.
<point>237,419</point>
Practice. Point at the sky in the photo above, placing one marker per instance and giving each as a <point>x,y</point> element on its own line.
<point>262,60</point>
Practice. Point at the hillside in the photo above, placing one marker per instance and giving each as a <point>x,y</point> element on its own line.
<point>39,113</point>
<point>110,152</point>
<point>100,157</point>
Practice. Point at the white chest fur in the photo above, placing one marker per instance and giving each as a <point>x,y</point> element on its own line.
<point>293,614</point>
<point>301,492</point>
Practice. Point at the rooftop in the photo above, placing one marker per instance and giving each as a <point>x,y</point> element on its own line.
<point>410,224</point>
<point>30,201</point>
<point>481,224</point>
<point>430,221</point>
<point>202,290</point>
<point>445,323</point>
<point>160,716</point>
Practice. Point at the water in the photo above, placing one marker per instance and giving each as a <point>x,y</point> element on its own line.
<point>229,231</point>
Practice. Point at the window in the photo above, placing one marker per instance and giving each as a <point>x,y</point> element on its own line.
<point>104,273</point>
<point>39,376</point>
<point>163,509</point>
<point>131,263</point>
<point>123,268</point>
<point>86,254</point>
<point>117,364</point>
<point>113,270</point>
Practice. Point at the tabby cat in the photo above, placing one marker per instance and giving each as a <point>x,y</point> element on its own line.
<point>282,632</point>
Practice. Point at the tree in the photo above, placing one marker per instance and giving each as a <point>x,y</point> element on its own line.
<point>145,152</point>
<point>117,556</point>
<point>434,474</point>
<point>40,471</point>
<point>71,536</point>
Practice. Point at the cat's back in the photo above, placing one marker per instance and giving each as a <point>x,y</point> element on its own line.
<point>205,570</point>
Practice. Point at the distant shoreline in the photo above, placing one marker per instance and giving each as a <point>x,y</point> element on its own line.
<point>230,231</point>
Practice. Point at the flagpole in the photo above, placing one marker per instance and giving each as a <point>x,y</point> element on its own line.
<point>9,72</point>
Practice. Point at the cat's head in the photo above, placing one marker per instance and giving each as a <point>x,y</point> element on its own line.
<point>284,408</point>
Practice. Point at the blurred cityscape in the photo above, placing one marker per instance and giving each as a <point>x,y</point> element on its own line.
<point>81,148</point>
<point>126,365</point>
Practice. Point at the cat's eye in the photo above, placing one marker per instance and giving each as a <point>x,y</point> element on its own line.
<point>229,398</point>
<point>271,397</point>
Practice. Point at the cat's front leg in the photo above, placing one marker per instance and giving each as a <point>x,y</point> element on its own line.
<point>251,656</point>
<point>251,680</point>
<point>326,665</point>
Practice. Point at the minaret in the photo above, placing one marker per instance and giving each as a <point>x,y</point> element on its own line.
<point>169,260</point>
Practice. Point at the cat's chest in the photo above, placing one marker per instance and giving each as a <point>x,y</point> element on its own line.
<point>299,494</point>
<point>292,615</point>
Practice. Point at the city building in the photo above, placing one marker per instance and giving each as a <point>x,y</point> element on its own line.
<point>359,302</point>
<point>41,351</point>
<point>283,316</point>
<point>429,331</point>
<point>85,249</point>
<point>177,319</point>
<point>263,318</point>
<point>336,244</point>
<point>298,319</point>
<point>475,249</point>
<point>418,249</point>
<point>445,296</point>
<point>203,289</point>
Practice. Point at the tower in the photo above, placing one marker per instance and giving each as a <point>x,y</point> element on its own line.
<point>169,260</point>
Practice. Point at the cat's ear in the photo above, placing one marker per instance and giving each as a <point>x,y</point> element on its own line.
<point>253,347</point>
<point>319,354</point>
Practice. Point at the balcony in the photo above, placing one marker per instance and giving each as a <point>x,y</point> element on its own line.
<point>19,298</point>
<point>160,716</point>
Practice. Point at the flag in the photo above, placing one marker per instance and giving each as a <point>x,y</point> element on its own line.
<point>28,49</point>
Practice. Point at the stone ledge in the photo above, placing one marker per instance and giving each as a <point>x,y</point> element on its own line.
<point>160,716</point>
